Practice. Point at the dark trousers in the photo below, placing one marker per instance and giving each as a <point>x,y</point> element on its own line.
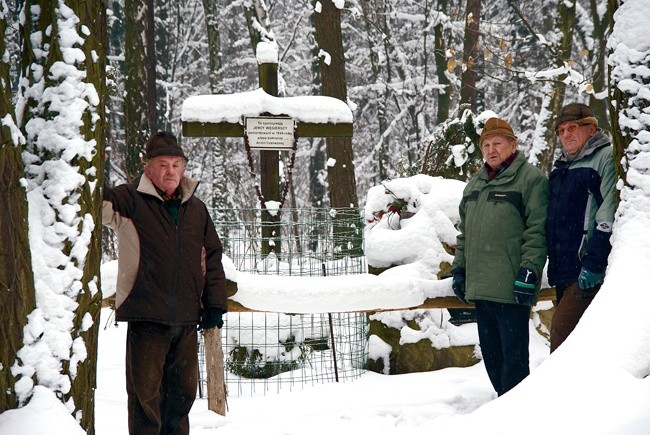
<point>161,377</point>
<point>571,303</point>
<point>503,335</point>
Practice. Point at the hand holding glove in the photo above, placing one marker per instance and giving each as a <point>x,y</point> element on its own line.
<point>458,284</point>
<point>211,317</point>
<point>524,287</point>
<point>588,280</point>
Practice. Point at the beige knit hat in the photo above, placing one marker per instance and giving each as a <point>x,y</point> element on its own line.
<point>494,126</point>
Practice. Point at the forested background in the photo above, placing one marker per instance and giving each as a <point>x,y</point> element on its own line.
<point>411,68</point>
<point>85,79</point>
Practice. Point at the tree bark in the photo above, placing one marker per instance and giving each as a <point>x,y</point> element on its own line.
<point>566,15</point>
<point>377,15</point>
<point>17,298</point>
<point>342,182</point>
<point>217,400</point>
<point>215,59</point>
<point>620,142</point>
<point>599,105</point>
<point>470,55</point>
<point>84,382</point>
<point>440,48</point>
<point>255,11</point>
<point>140,113</point>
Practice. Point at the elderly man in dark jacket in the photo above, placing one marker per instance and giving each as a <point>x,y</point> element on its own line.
<point>580,216</point>
<point>501,252</point>
<point>170,279</point>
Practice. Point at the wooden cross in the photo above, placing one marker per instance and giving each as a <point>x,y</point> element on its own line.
<point>269,160</point>
<point>270,184</point>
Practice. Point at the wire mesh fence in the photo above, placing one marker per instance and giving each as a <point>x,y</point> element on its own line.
<point>267,352</point>
<point>295,242</point>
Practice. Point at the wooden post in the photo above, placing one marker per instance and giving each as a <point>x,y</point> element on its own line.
<point>216,380</point>
<point>270,168</point>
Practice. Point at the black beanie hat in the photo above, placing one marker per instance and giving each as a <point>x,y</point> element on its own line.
<point>162,143</point>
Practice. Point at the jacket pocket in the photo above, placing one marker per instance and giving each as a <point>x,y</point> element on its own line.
<point>513,198</point>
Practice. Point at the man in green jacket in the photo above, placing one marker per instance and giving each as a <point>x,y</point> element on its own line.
<point>501,251</point>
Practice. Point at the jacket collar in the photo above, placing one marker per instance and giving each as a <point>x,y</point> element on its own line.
<point>187,185</point>
<point>508,173</point>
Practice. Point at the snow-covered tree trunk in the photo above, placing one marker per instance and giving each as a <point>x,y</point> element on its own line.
<point>471,55</point>
<point>566,14</point>
<point>342,182</point>
<point>598,101</point>
<point>378,16</point>
<point>439,54</point>
<point>257,20</point>
<point>629,60</point>
<point>215,61</point>
<point>17,297</point>
<point>61,113</point>
<point>317,170</point>
<point>219,152</point>
<point>140,102</point>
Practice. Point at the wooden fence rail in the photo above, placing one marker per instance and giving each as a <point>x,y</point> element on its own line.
<point>546,294</point>
<point>214,355</point>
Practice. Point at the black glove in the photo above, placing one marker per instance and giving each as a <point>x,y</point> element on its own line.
<point>458,283</point>
<point>524,287</point>
<point>211,317</point>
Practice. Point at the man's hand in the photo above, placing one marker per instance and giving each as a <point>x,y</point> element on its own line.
<point>587,279</point>
<point>458,284</point>
<point>524,287</point>
<point>211,317</point>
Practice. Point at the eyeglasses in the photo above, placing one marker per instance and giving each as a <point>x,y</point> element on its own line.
<point>571,128</point>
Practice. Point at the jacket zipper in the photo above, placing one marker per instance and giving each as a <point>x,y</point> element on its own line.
<point>176,266</point>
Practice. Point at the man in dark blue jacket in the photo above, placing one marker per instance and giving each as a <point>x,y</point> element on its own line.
<point>580,216</point>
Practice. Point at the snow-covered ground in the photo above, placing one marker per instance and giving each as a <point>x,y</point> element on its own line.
<point>596,383</point>
<point>566,393</point>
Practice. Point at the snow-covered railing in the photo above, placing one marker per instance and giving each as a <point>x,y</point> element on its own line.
<point>357,293</point>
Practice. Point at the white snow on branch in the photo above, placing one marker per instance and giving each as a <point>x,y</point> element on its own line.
<point>327,58</point>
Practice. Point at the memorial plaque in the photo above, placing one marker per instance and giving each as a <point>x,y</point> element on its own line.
<point>270,133</point>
